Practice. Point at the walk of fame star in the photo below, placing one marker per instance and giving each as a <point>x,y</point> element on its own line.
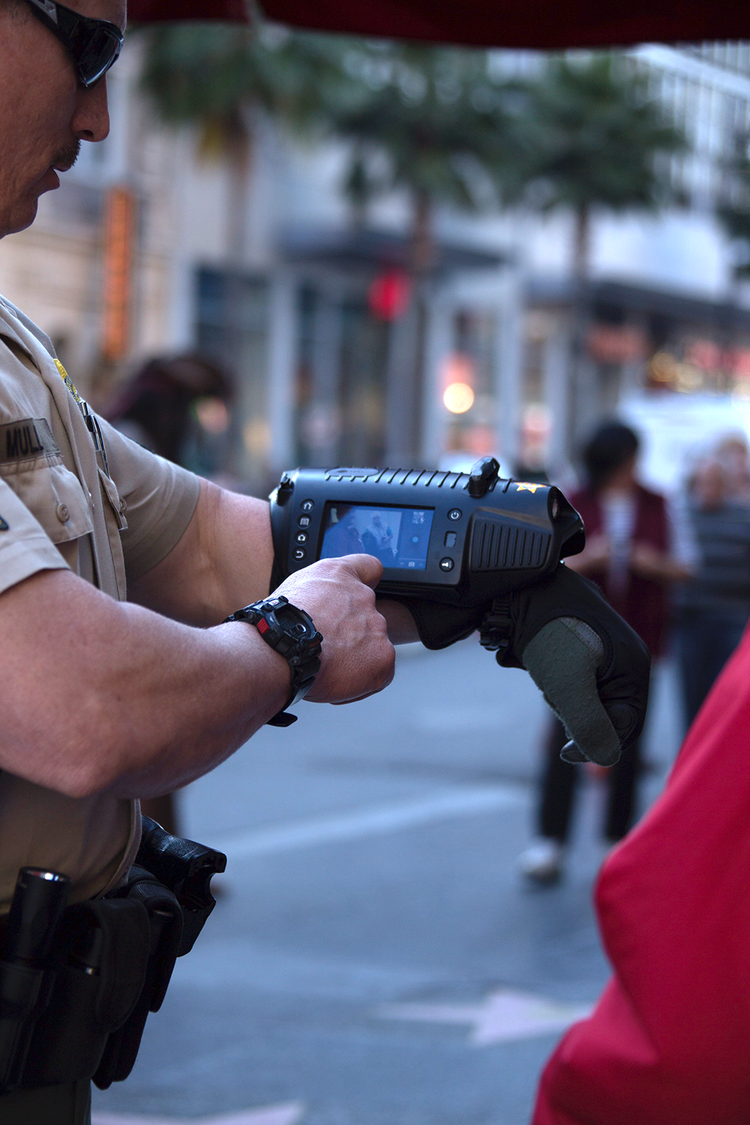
<point>503,1016</point>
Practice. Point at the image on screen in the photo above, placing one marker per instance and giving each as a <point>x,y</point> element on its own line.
<point>399,537</point>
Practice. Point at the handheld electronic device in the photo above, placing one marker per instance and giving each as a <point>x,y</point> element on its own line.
<point>456,538</point>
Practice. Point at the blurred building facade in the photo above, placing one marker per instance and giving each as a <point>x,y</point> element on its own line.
<point>138,254</point>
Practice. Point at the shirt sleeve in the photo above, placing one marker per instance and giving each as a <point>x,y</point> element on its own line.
<point>25,547</point>
<point>160,499</point>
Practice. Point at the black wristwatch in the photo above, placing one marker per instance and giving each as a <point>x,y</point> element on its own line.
<point>292,633</point>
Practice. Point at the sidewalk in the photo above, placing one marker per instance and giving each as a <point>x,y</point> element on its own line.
<point>374,958</point>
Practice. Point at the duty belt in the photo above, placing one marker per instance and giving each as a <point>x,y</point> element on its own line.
<point>77,983</point>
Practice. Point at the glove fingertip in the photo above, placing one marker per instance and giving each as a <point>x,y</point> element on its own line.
<point>571,753</point>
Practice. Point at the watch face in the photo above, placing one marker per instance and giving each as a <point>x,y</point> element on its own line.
<point>295,622</point>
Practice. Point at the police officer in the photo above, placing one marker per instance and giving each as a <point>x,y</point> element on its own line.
<point>118,679</point>
<point>119,676</point>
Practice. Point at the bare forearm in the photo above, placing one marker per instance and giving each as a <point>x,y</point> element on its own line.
<point>222,562</point>
<point>133,703</point>
<point>99,695</point>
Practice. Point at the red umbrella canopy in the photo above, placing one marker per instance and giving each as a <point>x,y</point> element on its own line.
<point>541,24</point>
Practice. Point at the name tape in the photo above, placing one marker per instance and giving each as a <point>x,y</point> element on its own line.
<point>26,439</point>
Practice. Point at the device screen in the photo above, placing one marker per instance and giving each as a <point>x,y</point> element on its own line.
<point>399,537</point>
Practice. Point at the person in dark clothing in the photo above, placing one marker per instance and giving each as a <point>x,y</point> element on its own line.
<point>156,407</point>
<point>628,554</point>
<point>714,606</point>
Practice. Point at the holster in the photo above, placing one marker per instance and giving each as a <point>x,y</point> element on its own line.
<point>82,1014</point>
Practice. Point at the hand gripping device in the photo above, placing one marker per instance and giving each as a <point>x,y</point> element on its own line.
<point>466,551</point>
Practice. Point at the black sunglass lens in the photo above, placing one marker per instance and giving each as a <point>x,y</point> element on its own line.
<point>97,56</point>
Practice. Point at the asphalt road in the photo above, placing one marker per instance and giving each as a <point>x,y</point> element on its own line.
<point>375,958</point>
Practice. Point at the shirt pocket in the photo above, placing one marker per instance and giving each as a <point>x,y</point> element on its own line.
<point>53,495</point>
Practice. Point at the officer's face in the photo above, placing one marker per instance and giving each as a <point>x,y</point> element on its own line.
<point>44,112</point>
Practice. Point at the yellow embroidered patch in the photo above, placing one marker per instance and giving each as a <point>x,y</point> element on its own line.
<point>67,381</point>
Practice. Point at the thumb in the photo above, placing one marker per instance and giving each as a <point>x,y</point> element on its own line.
<point>562,660</point>
<point>367,568</point>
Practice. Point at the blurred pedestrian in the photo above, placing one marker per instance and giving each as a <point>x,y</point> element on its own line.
<point>734,455</point>
<point>629,555</point>
<point>713,607</point>
<point>161,408</point>
<point>171,404</point>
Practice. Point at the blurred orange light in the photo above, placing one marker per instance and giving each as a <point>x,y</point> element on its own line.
<point>458,398</point>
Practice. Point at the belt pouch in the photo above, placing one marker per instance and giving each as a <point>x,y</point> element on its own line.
<point>165,921</point>
<point>105,949</point>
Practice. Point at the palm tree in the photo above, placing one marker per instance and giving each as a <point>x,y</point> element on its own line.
<point>426,121</point>
<point>429,122</point>
<point>595,141</point>
<point>219,78</point>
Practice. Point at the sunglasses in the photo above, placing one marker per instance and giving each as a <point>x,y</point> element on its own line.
<point>92,44</point>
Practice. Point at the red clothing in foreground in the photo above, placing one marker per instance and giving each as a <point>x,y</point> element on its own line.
<point>669,1041</point>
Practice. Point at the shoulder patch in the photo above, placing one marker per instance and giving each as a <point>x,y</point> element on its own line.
<point>67,381</point>
<point>26,439</point>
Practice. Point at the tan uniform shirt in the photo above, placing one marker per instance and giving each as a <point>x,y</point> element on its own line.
<point>74,493</point>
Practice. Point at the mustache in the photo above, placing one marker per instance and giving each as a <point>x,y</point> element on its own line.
<point>66,157</point>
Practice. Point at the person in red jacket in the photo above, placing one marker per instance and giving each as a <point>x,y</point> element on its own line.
<point>667,1043</point>
<point>628,554</point>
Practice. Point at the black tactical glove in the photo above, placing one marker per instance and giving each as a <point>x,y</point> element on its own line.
<point>591,667</point>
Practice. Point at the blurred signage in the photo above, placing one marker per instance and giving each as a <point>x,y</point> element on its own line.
<point>609,343</point>
<point>119,252</point>
<point>709,356</point>
<point>701,365</point>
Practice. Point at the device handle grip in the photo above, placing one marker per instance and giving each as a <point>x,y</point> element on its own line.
<point>563,659</point>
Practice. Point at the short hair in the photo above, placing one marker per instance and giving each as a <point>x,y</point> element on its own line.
<point>610,446</point>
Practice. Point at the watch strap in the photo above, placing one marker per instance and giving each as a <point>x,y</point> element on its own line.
<point>298,641</point>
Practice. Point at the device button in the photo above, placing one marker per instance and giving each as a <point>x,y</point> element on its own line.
<point>446,564</point>
<point>450,539</point>
<point>455,514</point>
<point>298,555</point>
<point>304,521</point>
<point>307,505</point>
<point>301,537</point>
